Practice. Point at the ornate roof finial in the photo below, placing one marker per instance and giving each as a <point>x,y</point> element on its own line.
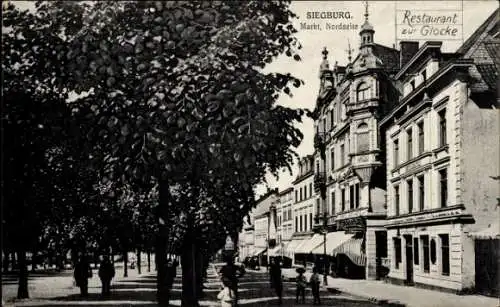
<point>366,10</point>
<point>324,64</point>
<point>349,50</point>
<point>325,53</point>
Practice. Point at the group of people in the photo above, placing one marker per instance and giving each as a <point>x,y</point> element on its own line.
<point>229,275</point>
<point>83,272</point>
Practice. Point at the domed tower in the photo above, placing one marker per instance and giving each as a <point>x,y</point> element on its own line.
<point>366,34</point>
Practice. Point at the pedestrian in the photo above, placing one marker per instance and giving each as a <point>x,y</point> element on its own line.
<point>301,282</point>
<point>231,272</point>
<point>82,273</point>
<point>106,274</point>
<point>276,280</point>
<point>314,281</point>
<point>227,296</point>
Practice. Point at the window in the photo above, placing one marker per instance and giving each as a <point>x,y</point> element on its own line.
<point>351,197</point>
<point>305,191</point>
<point>442,128</point>
<point>425,251</point>
<point>310,219</point>
<point>333,202</point>
<point>300,227</point>
<point>416,258</point>
<point>317,206</point>
<point>421,193</point>
<point>420,127</point>
<point>443,187</point>
<point>296,224</point>
<point>445,254</point>
<point>409,149</point>
<point>433,251</point>
<point>300,193</point>
<point>410,195</point>
<point>332,118</point>
<point>310,190</point>
<point>296,196</point>
<point>396,200</point>
<point>396,152</point>
<point>342,153</point>
<point>356,191</point>
<point>412,84</point>
<point>363,91</point>
<point>397,252</point>
<point>332,158</point>
<point>424,76</point>
<point>342,192</point>
<point>305,222</point>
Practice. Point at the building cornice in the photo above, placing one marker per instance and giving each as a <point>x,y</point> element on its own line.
<point>428,45</point>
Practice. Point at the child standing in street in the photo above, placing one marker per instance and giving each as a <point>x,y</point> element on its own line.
<point>226,296</point>
<point>301,287</point>
<point>315,282</point>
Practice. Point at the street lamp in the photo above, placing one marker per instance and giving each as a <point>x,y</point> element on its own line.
<point>325,262</point>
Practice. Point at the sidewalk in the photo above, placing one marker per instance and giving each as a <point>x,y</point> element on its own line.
<point>385,293</point>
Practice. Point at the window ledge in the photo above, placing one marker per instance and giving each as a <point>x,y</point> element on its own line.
<point>441,148</point>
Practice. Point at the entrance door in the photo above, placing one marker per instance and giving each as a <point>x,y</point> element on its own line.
<point>409,259</point>
<point>381,252</point>
<point>487,267</point>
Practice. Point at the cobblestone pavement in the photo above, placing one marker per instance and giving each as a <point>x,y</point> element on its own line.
<point>135,290</point>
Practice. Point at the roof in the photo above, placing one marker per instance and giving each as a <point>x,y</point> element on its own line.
<point>475,36</point>
<point>489,74</point>
<point>389,56</point>
<point>286,191</point>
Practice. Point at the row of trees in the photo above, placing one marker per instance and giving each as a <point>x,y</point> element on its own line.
<point>138,120</point>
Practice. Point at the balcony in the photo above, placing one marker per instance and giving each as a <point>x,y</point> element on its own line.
<point>320,143</point>
<point>320,183</point>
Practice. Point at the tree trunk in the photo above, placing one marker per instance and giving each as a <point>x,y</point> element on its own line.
<point>139,261</point>
<point>6,261</point>
<point>33,260</point>
<point>162,290</point>
<point>14,261</point>
<point>22,290</point>
<point>149,261</point>
<point>125,263</point>
<point>189,276</point>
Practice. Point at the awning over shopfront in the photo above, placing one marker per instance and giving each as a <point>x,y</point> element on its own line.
<point>490,232</point>
<point>333,240</point>
<point>310,244</point>
<point>352,249</point>
<point>292,247</point>
<point>259,250</point>
<point>276,251</point>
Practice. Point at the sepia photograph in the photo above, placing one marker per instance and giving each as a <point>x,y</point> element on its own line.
<point>250,153</point>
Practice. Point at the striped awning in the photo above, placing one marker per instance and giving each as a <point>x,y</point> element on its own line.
<point>259,250</point>
<point>276,251</point>
<point>333,240</point>
<point>490,232</point>
<point>292,247</point>
<point>309,244</point>
<point>352,249</point>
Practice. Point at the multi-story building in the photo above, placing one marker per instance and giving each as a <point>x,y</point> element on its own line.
<point>284,221</point>
<point>442,165</point>
<point>246,239</point>
<point>349,169</point>
<point>302,210</point>
<point>264,225</point>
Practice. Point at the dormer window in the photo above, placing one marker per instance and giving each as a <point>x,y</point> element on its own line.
<point>412,84</point>
<point>363,91</point>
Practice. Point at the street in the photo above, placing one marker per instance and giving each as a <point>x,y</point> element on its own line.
<point>254,290</point>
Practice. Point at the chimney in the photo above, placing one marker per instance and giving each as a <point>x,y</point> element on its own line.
<point>407,51</point>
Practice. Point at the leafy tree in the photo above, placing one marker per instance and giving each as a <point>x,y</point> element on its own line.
<point>176,96</point>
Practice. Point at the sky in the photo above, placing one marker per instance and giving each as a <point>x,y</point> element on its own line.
<point>382,16</point>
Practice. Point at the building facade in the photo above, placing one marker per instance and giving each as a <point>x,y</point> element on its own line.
<point>302,209</point>
<point>440,191</point>
<point>285,221</point>
<point>349,168</point>
<point>264,226</point>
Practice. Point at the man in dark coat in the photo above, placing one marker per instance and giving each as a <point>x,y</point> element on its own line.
<point>82,273</point>
<point>106,274</point>
<point>276,280</point>
<point>232,272</point>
